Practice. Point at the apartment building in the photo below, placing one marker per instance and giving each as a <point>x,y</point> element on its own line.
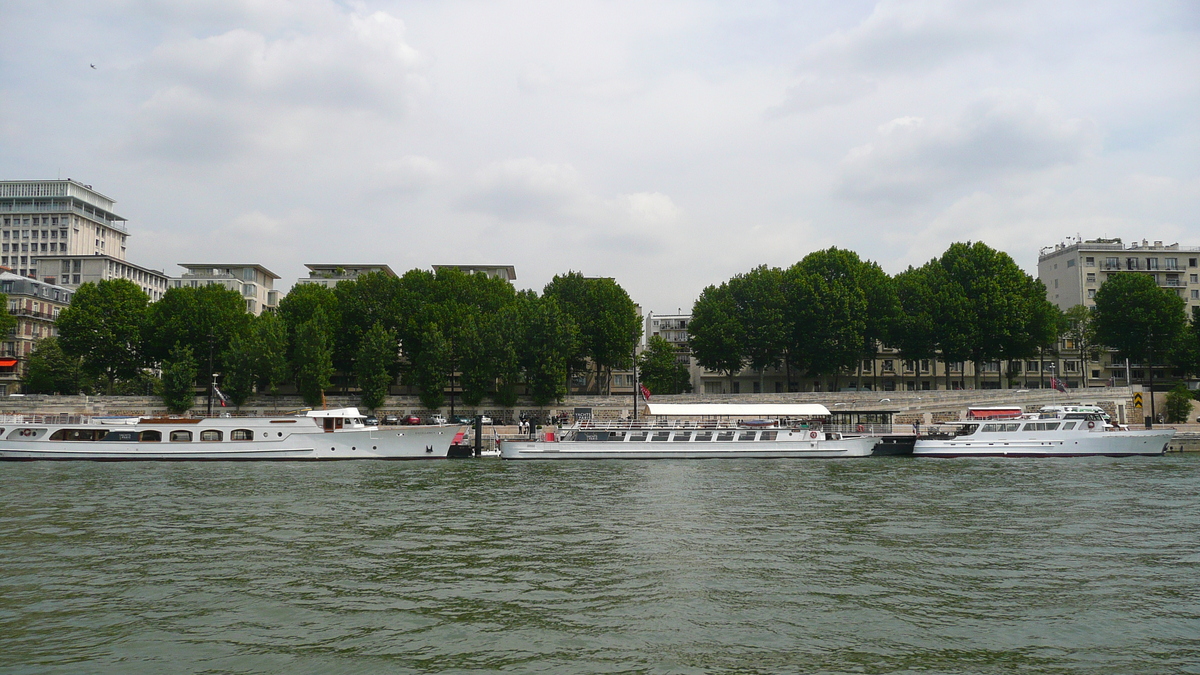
<point>255,283</point>
<point>1073,271</point>
<point>56,217</point>
<point>506,272</point>
<point>332,275</point>
<point>35,305</point>
<point>72,271</point>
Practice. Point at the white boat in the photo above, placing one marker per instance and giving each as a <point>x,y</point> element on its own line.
<point>317,435</point>
<point>722,431</point>
<point>1052,433</point>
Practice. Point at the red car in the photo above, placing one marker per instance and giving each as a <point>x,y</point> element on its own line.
<point>410,419</point>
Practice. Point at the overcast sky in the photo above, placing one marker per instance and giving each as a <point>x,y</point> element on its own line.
<point>669,145</point>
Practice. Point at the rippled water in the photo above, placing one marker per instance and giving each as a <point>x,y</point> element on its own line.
<point>881,565</point>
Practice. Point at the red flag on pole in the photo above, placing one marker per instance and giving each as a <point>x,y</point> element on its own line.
<point>645,392</point>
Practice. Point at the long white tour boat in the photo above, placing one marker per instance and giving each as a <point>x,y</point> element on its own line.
<point>1051,433</point>
<point>711,431</point>
<point>317,435</point>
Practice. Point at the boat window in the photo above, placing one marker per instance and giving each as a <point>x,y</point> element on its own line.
<point>151,436</point>
<point>1067,426</point>
<point>77,434</point>
<point>747,435</point>
<point>210,435</point>
<point>638,436</point>
<point>661,435</point>
<point>988,428</point>
<point>704,436</point>
<point>767,435</point>
<point>181,436</point>
<point>1041,426</point>
<point>725,436</point>
<point>121,435</point>
<point>682,436</point>
<point>616,435</point>
<point>241,435</point>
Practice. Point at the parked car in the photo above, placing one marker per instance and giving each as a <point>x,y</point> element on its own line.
<point>462,419</point>
<point>411,419</point>
<point>437,419</point>
<point>391,419</point>
<point>485,419</point>
<point>371,421</point>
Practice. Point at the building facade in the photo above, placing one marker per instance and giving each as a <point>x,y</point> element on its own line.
<point>56,217</point>
<point>72,271</point>
<point>255,283</point>
<point>1073,271</point>
<point>35,305</point>
<point>332,275</point>
<point>506,272</point>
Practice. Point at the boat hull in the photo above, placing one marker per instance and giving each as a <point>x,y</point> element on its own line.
<point>819,449</point>
<point>411,443</point>
<point>1100,444</point>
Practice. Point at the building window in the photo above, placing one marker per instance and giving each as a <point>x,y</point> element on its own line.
<point>1151,263</point>
<point>1171,263</point>
<point>1089,261</point>
<point>1070,262</point>
<point>1195,294</point>
<point>1091,277</point>
<point>1112,263</point>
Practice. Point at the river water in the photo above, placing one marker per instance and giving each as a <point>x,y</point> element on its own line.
<point>878,565</point>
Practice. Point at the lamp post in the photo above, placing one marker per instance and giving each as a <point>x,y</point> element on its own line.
<point>211,388</point>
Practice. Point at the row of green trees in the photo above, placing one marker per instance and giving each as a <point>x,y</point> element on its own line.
<point>828,312</point>
<point>477,335</point>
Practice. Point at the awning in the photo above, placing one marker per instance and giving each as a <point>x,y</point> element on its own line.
<point>738,409</point>
<point>7,362</point>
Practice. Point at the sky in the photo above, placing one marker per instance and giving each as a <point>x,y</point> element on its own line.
<point>668,145</point>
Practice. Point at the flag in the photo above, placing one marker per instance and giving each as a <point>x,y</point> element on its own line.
<point>1058,384</point>
<point>645,392</point>
<point>221,396</point>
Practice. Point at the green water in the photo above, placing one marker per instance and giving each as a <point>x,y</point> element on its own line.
<point>880,565</point>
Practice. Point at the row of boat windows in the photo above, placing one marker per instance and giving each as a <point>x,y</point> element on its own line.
<point>1029,426</point>
<point>683,436</point>
<point>148,436</point>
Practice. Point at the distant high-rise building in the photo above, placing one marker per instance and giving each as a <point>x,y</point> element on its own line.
<point>1075,270</point>
<point>56,217</point>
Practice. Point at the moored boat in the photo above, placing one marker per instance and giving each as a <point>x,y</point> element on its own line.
<point>317,435</point>
<point>1051,433</point>
<point>709,432</point>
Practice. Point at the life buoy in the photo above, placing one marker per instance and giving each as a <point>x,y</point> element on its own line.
<point>1091,425</point>
<point>27,432</point>
<point>861,429</point>
<point>812,434</point>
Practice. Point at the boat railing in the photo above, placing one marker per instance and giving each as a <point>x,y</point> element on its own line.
<point>64,418</point>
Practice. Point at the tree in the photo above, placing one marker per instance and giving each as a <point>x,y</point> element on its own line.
<point>49,370</point>
<point>179,379</point>
<point>545,339</point>
<point>609,327</point>
<point>826,312</point>
<point>1137,318</point>
<point>7,321</point>
<point>373,365</point>
<point>1082,334</point>
<point>660,369</point>
<point>758,298</point>
<point>715,333</point>
<point>239,369</point>
<point>313,358</point>
<point>300,306</point>
<point>915,330</point>
<point>103,326</point>
<point>269,347</point>
<point>205,318</point>
<point>1179,404</point>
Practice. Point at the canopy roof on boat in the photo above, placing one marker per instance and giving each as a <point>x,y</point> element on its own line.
<point>337,412</point>
<point>744,410</point>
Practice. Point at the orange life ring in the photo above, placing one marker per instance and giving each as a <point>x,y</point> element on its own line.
<point>1091,425</point>
<point>812,434</point>
<point>861,429</point>
<point>27,432</point>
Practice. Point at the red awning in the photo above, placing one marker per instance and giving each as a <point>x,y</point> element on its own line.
<point>7,363</point>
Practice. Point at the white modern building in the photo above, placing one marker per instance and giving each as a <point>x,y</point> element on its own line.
<point>1074,270</point>
<point>506,272</point>
<point>332,275</point>
<point>56,217</point>
<point>72,271</point>
<point>255,283</point>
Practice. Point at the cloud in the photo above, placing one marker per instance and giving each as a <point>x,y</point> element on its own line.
<point>813,92</point>
<point>1001,134</point>
<point>245,90</point>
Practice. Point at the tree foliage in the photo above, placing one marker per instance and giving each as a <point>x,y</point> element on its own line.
<point>103,326</point>
<point>313,361</point>
<point>204,318</point>
<point>606,319</point>
<point>50,370</point>
<point>1137,318</point>
<point>179,372</point>
<point>660,370</point>
<point>715,333</point>
<point>373,365</point>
